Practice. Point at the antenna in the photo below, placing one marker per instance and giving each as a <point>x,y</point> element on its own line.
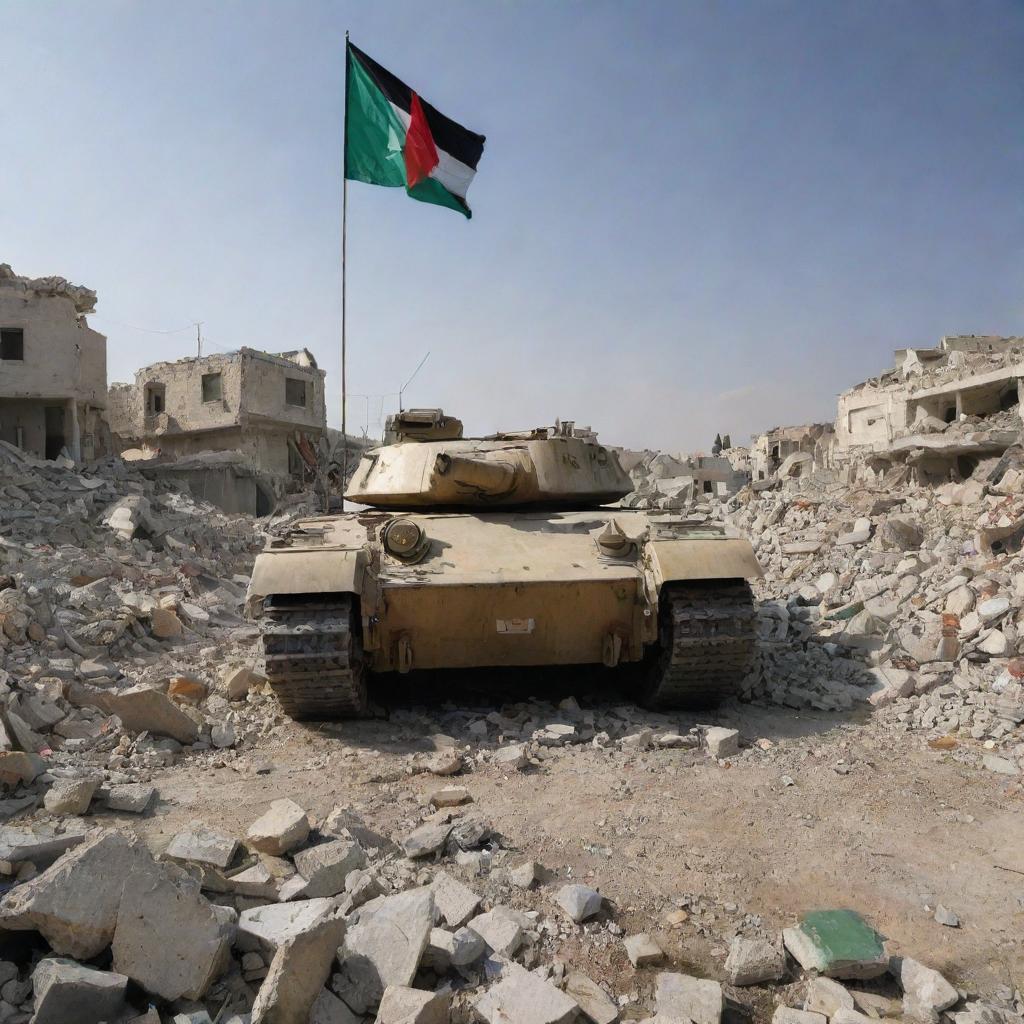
<point>199,338</point>
<point>401,390</point>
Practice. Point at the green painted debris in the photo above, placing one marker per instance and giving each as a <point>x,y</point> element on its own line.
<point>838,944</point>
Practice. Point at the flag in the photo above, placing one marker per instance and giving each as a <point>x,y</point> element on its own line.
<point>394,137</point>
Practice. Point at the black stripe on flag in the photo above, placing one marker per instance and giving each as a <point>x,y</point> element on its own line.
<point>449,135</point>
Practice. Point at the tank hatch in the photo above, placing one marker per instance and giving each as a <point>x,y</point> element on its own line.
<point>421,425</point>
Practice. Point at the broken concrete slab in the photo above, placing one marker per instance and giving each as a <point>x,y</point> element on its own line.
<point>837,944</point>
<point>579,901</point>
<point>297,974</point>
<point>427,839</point>
<point>169,938</point>
<point>41,845</point>
<point>68,991</point>
<point>283,827</point>
<point>18,766</point>
<point>74,903</point>
<point>642,950</point>
<point>524,998</point>
<point>524,875</point>
<point>329,1009</point>
<point>144,709</point>
<point>926,993</point>
<point>450,796</point>
<point>70,796</point>
<point>827,996</point>
<point>203,845</point>
<point>787,1015</point>
<point>454,902</point>
<point>722,742</point>
<point>326,867</point>
<point>133,798</point>
<point>267,927</point>
<point>502,933</point>
<point>753,961</point>
<point>237,682</point>
<point>402,1005</point>
<point>687,998</point>
<point>384,947</point>
<point>596,1004</point>
<point>447,949</point>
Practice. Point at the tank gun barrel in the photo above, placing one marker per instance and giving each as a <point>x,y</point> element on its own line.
<point>486,476</point>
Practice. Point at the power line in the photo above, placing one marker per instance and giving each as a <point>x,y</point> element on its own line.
<point>145,330</point>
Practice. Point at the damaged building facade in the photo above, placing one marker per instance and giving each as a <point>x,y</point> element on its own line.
<point>939,412</point>
<point>790,451</point>
<point>260,413</point>
<point>53,368</point>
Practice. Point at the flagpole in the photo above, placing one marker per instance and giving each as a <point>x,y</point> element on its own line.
<point>344,241</point>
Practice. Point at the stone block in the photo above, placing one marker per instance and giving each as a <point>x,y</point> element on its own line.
<point>67,991</point>
<point>579,901</point>
<point>268,927</point>
<point>837,944</point>
<point>203,845</point>
<point>824,995</point>
<point>70,796</point>
<point>143,709</point>
<point>694,999</point>
<point>642,950</point>
<point>787,1015</point>
<point>925,992</point>
<point>524,998</point>
<point>402,1005</point>
<point>327,866</point>
<point>454,902</point>
<point>135,798</point>
<point>502,934</point>
<point>753,961</point>
<point>283,827</point>
<point>595,1003</point>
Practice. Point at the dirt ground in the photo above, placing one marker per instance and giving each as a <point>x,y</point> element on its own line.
<point>825,811</point>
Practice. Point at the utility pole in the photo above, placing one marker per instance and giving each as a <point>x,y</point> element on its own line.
<point>199,339</point>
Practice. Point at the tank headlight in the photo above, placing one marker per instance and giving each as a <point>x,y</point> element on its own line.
<point>403,538</point>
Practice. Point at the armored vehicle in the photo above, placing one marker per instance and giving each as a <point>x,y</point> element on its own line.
<point>499,551</point>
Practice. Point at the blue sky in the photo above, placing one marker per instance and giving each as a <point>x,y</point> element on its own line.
<point>689,217</point>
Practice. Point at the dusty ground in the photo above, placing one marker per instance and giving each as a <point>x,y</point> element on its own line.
<point>873,820</point>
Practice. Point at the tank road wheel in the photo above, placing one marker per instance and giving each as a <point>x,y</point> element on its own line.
<point>314,657</point>
<point>708,637</point>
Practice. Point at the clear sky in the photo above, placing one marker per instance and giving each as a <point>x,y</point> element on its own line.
<point>689,217</point>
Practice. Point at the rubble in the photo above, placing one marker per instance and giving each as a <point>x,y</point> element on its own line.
<point>65,990</point>
<point>282,828</point>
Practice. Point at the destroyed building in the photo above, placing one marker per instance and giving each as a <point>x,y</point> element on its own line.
<point>790,451</point>
<point>939,412</point>
<point>53,368</point>
<point>268,409</point>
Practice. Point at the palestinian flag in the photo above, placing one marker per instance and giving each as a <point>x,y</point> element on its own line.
<point>394,137</point>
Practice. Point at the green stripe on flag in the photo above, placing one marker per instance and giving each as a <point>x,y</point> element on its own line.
<point>432,191</point>
<point>373,148</point>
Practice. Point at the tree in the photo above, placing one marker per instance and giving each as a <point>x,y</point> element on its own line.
<point>716,448</point>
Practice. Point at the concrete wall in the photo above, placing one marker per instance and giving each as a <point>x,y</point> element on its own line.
<point>263,391</point>
<point>64,357</point>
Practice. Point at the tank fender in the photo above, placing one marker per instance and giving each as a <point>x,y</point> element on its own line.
<point>703,559</point>
<point>306,571</point>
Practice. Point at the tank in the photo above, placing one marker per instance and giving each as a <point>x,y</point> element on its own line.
<point>507,550</point>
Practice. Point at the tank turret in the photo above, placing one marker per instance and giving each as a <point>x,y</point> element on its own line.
<point>430,464</point>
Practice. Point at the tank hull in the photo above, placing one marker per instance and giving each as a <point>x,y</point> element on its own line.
<point>510,588</point>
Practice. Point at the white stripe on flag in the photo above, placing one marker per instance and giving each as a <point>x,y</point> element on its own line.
<point>450,172</point>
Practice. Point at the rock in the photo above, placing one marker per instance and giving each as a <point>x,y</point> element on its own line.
<point>41,844</point>
<point>450,796</point>
<point>946,917</point>
<point>837,944</point>
<point>427,839</point>
<point>591,998</point>
<point>999,765</point>
<point>326,867</point>
<point>256,881</point>
<point>329,1009</point>
<point>70,796</point>
<point>454,902</point>
<point>524,875</point>
<point>925,992</point>
<point>19,766</point>
<point>237,682</point>
<point>513,757</point>
<point>860,534</point>
<point>203,845</point>
<point>143,709</point>
<point>223,735</point>
<point>502,934</point>
<point>168,938</point>
<point>297,974</point>
<point>787,1015</point>
<point>827,996</point>
<point>384,948</point>
<point>268,927</point>
<point>446,949</point>
<point>283,827</point>
<point>74,903</point>
<point>134,798</point>
<point>642,950</point>
<point>66,991</point>
<point>960,601</point>
<point>579,901</point>
<point>722,742</point>
<point>360,888</point>
<point>687,998</point>
<point>445,762</point>
<point>187,690</point>
<point>994,643</point>
<point>402,1005</point>
<point>992,609</point>
<point>164,624</point>
<point>524,998</point>
<point>753,961</point>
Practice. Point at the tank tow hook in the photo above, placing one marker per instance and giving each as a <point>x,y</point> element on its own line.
<point>611,649</point>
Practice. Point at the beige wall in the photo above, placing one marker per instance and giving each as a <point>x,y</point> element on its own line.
<point>263,390</point>
<point>64,357</point>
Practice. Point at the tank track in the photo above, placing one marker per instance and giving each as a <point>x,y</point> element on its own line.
<point>313,659</point>
<point>708,643</point>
